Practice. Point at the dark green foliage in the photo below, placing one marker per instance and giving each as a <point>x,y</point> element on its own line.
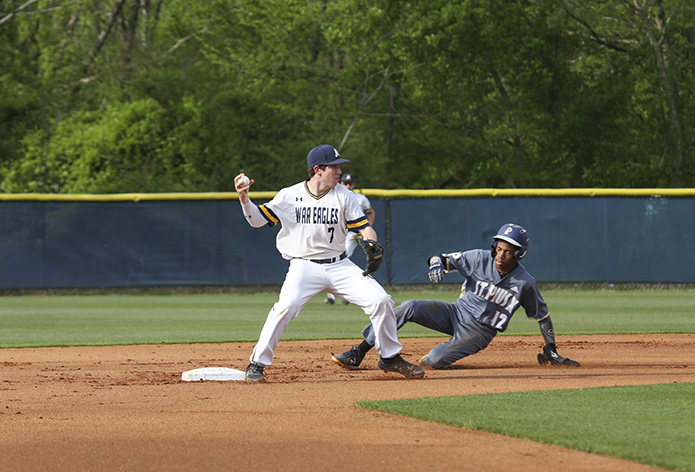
<point>121,96</point>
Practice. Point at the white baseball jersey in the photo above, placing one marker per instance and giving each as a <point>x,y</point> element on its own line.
<point>313,226</point>
<point>364,203</point>
<point>312,237</point>
<point>366,208</point>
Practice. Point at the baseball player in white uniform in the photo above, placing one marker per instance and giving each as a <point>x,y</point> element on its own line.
<point>316,216</point>
<point>348,181</point>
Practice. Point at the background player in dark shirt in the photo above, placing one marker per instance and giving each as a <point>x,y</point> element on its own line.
<point>496,286</point>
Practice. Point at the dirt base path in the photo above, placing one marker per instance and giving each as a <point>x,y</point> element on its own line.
<point>126,408</point>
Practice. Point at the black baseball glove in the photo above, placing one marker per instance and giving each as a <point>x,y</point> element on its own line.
<point>374,253</point>
<point>550,356</point>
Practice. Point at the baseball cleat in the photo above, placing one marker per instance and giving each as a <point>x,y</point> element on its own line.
<point>254,373</point>
<point>559,361</point>
<point>423,362</point>
<point>350,359</point>
<point>330,299</point>
<point>401,366</point>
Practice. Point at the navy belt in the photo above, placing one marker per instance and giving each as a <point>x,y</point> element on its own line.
<point>330,259</point>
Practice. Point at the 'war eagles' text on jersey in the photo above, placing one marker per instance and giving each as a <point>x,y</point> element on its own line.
<point>313,226</point>
<point>316,215</point>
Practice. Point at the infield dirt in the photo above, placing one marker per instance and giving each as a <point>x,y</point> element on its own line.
<point>126,407</point>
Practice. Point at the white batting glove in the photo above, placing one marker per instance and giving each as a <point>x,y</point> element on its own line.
<point>436,270</point>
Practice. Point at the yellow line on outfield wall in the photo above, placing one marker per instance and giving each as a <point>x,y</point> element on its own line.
<point>535,192</point>
<point>402,193</point>
<point>127,197</point>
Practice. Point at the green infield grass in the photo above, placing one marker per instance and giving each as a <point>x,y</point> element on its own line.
<point>650,424</point>
<point>68,320</point>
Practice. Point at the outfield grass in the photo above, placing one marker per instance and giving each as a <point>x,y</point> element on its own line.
<point>617,311</point>
<point>67,320</point>
<point>650,424</point>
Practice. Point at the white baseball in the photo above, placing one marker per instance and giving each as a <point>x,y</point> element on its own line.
<point>245,181</point>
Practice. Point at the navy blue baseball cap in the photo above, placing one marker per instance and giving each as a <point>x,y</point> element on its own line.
<point>324,155</point>
<point>347,179</point>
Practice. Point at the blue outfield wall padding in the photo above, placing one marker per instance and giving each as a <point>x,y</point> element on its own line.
<point>98,244</point>
<point>571,239</point>
<point>148,242</point>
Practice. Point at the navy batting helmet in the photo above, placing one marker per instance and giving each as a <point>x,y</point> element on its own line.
<point>514,235</point>
<point>347,179</point>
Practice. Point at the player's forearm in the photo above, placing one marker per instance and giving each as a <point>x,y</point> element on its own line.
<point>368,233</point>
<point>546,326</point>
<point>253,214</point>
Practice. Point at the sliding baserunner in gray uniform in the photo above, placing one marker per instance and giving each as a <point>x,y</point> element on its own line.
<point>496,286</point>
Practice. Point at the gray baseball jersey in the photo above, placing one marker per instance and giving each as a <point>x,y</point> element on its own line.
<point>492,298</point>
<point>485,308</point>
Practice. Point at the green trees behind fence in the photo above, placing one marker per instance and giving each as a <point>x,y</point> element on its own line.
<point>162,96</point>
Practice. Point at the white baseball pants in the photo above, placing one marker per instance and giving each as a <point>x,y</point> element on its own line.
<point>344,278</point>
